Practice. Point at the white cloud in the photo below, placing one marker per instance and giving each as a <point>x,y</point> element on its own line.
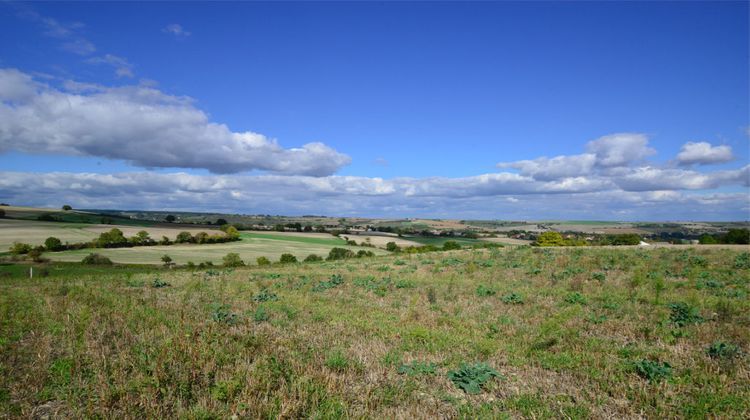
<point>122,67</point>
<point>621,149</point>
<point>176,30</point>
<point>143,126</point>
<point>344,195</point>
<point>654,179</point>
<point>703,153</point>
<point>558,167</point>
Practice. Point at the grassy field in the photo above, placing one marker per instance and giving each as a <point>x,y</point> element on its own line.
<point>574,333</point>
<point>252,246</point>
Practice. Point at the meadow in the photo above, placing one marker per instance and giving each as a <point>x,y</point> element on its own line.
<point>517,332</point>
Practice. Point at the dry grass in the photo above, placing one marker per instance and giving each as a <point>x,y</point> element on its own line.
<point>111,346</point>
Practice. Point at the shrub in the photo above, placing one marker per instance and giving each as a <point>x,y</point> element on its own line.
<point>652,370</point>
<point>471,378</point>
<point>232,260</point>
<point>722,350</point>
<point>682,314</point>
<point>362,253</point>
<point>67,207</point>
<point>260,314</point>
<point>575,297</point>
<point>333,281</point>
<point>392,247</point>
<point>53,244</point>
<point>339,254</point>
<point>167,260</point>
<point>742,260</point>
<point>96,259</point>
<point>19,248</point>
<point>287,258</point>
<point>263,261</point>
<point>184,238</point>
<point>550,238</point>
<point>451,245</point>
<point>313,258</point>
<point>513,299</point>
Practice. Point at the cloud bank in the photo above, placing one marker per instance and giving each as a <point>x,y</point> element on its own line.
<point>143,126</point>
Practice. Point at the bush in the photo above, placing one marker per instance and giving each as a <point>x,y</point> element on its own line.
<point>742,260</point>
<point>184,238</point>
<point>287,258</point>
<point>67,207</point>
<point>166,259</point>
<point>339,254</point>
<point>159,283</point>
<point>550,238</point>
<point>313,258</point>
<point>96,259</point>
<point>483,291</point>
<point>471,378</point>
<point>451,245</point>
<point>362,253</point>
<point>222,314</point>
<point>513,299</point>
<point>263,261</point>
<point>19,248</point>
<point>392,247</point>
<point>232,260</point>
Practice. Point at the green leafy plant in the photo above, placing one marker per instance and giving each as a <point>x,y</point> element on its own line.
<point>682,314</point>
<point>260,314</point>
<point>575,297</point>
<point>599,276</point>
<point>722,350</point>
<point>159,283</point>
<point>742,261</point>
<point>265,295</point>
<point>471,378</point>
<point>334,281</point>
<point>417,368</point>
<point>652,370</point>
<point>483,291</point>
<point>513,299</point>
<point>221,313</point>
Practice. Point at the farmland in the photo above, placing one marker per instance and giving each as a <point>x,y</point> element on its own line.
<point>540,333</point>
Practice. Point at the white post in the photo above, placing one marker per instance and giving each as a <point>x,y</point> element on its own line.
<point>31,272</point>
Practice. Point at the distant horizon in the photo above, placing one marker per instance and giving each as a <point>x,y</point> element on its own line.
<point>619,111</point>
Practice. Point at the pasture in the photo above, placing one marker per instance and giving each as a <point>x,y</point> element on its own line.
<point>502,333</point>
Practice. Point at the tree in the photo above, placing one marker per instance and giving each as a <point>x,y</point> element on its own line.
<point>550,238</point>
<point>201,238</point>
<point>169,218</point>
<point>53,244</point>
<point>339,254</point>
<point>232,233</point>
<point>287,258</point>
<point>233,260</point>
<point>738,236</point>
<point>263,261</point>
<point>2,213</point>
<point>167,260</point>
<point>96,259</point>
<point>112,239</point>
<point>183,238</point>
<point>707,239</point>
<point>392,247</point>
<point>451,245</point>
<point>67,207</point>
<point>221,222</point>
<point>19,248</point>
<point>313,258</point>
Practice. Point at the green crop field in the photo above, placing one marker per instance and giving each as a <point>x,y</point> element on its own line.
<point>503,333</point>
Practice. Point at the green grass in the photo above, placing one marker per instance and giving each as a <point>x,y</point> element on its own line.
<point>332,241</point>
<point>440,240</point>
<point>105,343</point>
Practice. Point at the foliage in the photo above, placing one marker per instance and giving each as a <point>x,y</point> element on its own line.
<point>53,244</point>
<point>334,281</point>
<point>575,297</point>
<point>96,259</point>
<point>67,207</point>
<point>260,314</point>
<point>265,295</point>
<point>159,283</point>
<point>287,259</point>
<point>652,370</point>
<point>682,314</point>
<point>19,248</point>
<point>263,261</point>
<point>339,254</point>
<point>451,245</point>
<point>166,259</point>
<point>513,299</point>
<point>471,378</point>
<point>392,247</point>
<point>232,259</point>
<point>313,258</point>
<point>222,314</point>
<point>550,238</point>
<point>417,368</point>
<point>722,350</point>
<point>742,261</point>
<point>483,291</point>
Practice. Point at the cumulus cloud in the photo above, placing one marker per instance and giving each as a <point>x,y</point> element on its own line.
<point>176,30</point>
<point>143,126</point>
<point>345,195</point>
<point>620,149</point>
<point>554,168</point>
<point>703,153</point>
<point>122,67</point>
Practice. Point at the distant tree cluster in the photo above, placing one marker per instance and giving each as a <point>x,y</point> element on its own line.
<point>733,236</point>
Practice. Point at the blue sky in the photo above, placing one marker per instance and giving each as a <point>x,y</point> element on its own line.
<point>412,106</point>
